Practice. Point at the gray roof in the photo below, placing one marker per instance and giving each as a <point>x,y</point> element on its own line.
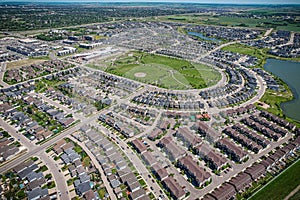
<point>76,182</point>
<point>34,176</point>
<point>82,188</point>
<point>115,183</point>
<point>23,174</point>
<point>37,193</point>
<point>84,178</point>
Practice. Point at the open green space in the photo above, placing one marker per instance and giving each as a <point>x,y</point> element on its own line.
<point>244,49</point>
<point>242,20</point>
<point>248,50</point>
<point>282,185</point>
<point>260,53</point>
<point>162,71</point>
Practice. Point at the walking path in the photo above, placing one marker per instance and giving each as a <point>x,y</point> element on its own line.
<point>292,193</point>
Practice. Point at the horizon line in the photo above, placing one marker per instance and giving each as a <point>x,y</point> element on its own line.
<point>124,2</point>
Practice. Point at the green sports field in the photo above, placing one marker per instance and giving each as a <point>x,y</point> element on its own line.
<point>161,71</point>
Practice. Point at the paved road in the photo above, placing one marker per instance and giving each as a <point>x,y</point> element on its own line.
<point>292,193</point>
<point>36,149</point>
<point>216,49</point>
<point>97,165</point>
<point>58,105</point>
<point>268,32</point>
<point>58,176</point>
<point>12,131</point>
<point>140,167</point>
<point>2,71</point>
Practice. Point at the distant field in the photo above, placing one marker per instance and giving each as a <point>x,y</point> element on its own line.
<point>282,185</point>
<point>162,71</point>
<point>23,62</point>
<point>234,21</point>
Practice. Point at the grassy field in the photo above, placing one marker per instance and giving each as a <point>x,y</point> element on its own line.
<point>244,49</point>
<point>161,71</point>
<point>282,185</point>
<point>248,50</point>
<point>233,21</point>
<point>274,99</point>
<point>261,54</point>
<point>24,62</point>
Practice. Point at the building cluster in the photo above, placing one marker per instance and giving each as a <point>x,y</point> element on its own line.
<point>28,47</point>
<point>213,159</point>
<point>276,38</point>
<point>290,50</point>
<point>80,175</point>
<point>32,116</point>
<point>255,172</point>
<point>272,83</point>
<point>66,50</point>
<point>9,148</point>
<point>144,116</point>
<point>107,83</point>
<point>281,43</point>
<point>161,128</point>
<point>265,127</point>
<point>235,91</point>
<point>25,73</point>
<point>159,171</point>
<point>121,124</point>
<point>6,56</point>
<point>198,175</point>
<point>169,100</point>
<point>32,181</point>
<point>159,37</point>
<point>70,102</point>
<point>230,58</point>
<point>226,33</point>
<point>114,165</point>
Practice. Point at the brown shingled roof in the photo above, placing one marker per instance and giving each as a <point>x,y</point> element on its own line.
<point>174,187</point>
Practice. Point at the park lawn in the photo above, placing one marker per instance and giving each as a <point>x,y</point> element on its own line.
<point>157,68</point>
<point>244,49</point>
<point>274,99</point>
<point>121,70</point>
<point>170,83</point>
<point>209,75</point>
<point>172,62</point>
<point>282,185</point>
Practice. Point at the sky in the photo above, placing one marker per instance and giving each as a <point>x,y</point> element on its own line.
<point>185,1</point>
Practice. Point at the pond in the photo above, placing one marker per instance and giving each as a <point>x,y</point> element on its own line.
<point>200,35</point>
<point>289,72</point>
